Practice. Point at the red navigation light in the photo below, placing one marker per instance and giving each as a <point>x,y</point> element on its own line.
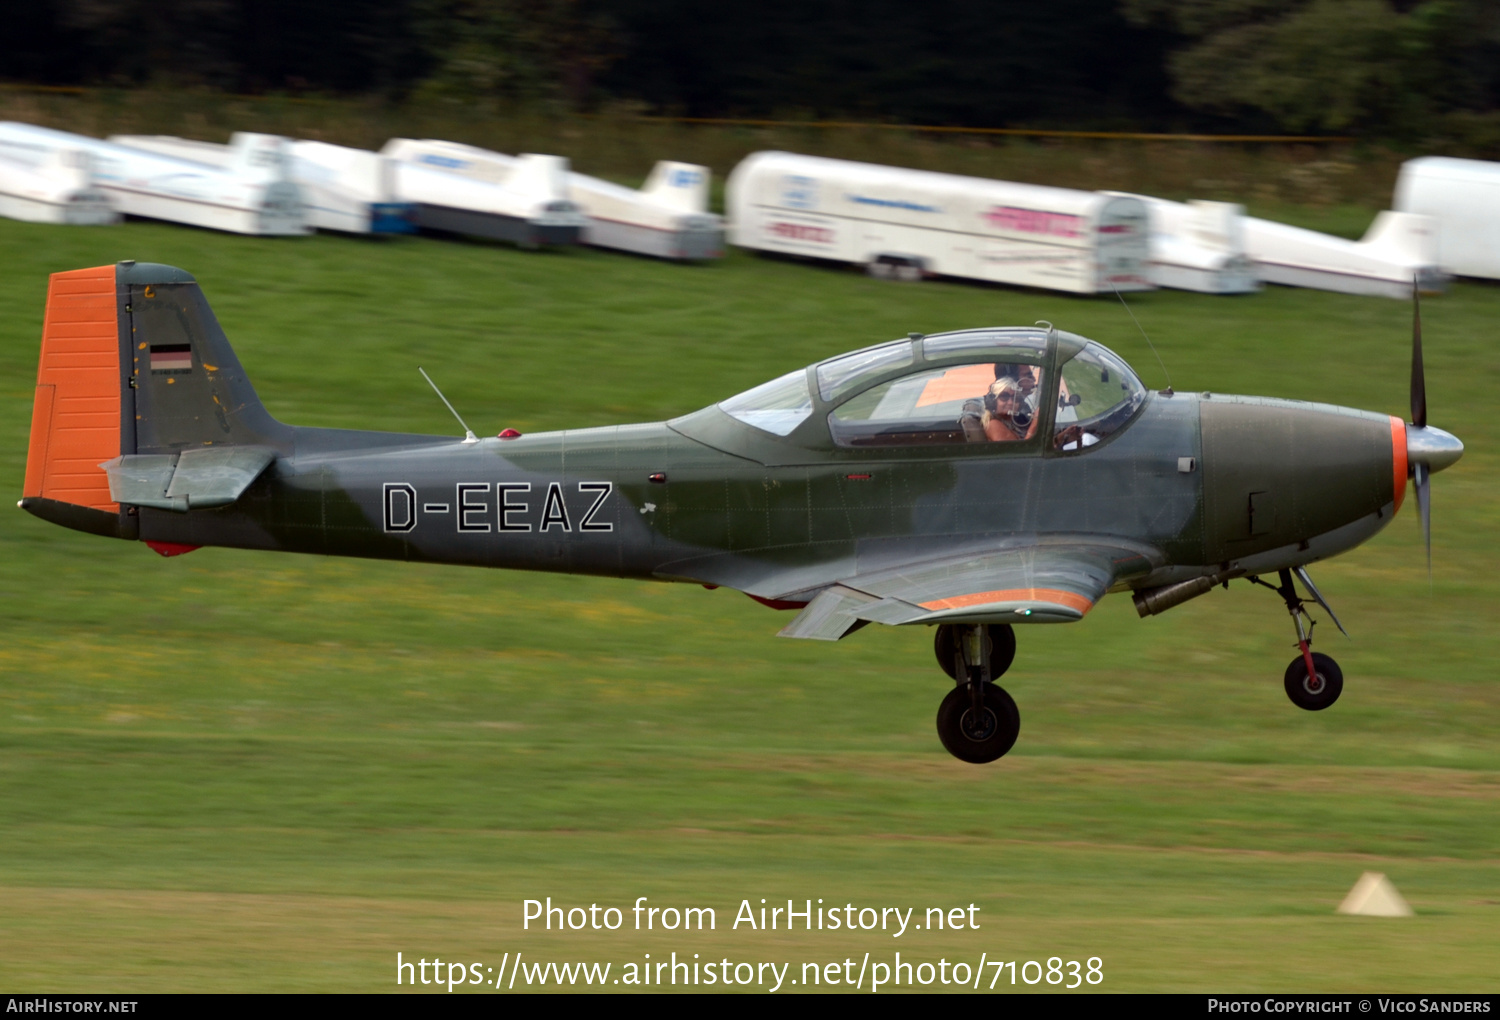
<point>170,548</point>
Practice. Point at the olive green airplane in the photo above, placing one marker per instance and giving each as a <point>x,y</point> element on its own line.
<point>970,480</point>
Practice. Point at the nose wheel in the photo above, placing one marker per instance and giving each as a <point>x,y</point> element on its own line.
<point>1314,690</point>
<point>978,721</point>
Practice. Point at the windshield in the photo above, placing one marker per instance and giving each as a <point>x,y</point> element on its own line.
<point>1099,394</point>
<point>777,407</point>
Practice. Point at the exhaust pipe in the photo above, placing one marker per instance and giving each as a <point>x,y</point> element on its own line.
<point>1151,601</point>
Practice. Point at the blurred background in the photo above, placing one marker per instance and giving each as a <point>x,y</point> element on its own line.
<point>1399,71</point>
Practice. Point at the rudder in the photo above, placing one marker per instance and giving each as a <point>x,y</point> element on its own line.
<point>76,419</point>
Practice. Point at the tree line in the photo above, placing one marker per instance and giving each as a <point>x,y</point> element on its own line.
<point>1388,69</point>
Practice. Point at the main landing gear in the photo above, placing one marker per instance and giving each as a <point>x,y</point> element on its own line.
<point>1313,680</point>
<point>977,722</point>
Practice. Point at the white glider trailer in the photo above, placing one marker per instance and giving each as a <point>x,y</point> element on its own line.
<point>910,223</point>
<point>1199,246</point>
<point>52,185</point>
<point>1463,197</point>
<point>667,218</point>
<point>347,190</point>
<point>528,205</point>
<point>246,198</point>
<point>1398,248</point>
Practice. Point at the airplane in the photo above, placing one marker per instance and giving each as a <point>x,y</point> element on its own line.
<point>970,480</point>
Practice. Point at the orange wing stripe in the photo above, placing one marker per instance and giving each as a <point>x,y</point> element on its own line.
<point>75,420</point>
<point>1055,595</point>
<point>1398,460</point>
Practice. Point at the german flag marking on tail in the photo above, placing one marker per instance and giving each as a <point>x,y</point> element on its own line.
<point>75,420</point>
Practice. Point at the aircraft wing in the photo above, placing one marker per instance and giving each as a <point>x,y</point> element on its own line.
<point>1056,582</point>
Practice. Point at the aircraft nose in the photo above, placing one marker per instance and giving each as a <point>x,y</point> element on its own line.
<point>1433,447</point>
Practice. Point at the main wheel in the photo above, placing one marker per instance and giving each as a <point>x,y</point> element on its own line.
<point>1002,648</point>
<point>982,737</point>
<point>1319,691</point>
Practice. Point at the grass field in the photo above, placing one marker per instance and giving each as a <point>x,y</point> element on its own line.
<point>241,771</point>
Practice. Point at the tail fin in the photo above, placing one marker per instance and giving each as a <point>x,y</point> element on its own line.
<point>133,363</point>
<point>75,166</point>
<point>543,178</point>
<point>1219,225</point>
<point>260,155</point>
<point>683,186</point>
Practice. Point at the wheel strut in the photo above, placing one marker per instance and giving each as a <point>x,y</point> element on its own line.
<point>1299,613</point>
<point>972,667</point>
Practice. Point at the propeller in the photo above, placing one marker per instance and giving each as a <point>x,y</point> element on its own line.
<point>1419,419</point>
<point>1418,376</point>
<point>1427,449</point>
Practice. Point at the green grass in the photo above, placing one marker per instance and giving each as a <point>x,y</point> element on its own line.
<point>234,770</point>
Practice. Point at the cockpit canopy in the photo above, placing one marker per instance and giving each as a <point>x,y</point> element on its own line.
<point>973,386</point>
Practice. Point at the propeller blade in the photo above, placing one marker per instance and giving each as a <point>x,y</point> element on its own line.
<point>1423,480</point>
<point>1312,590</point>
<point>1418,377</point>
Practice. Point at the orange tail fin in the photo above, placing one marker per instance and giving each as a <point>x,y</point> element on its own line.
<point>75,420</point>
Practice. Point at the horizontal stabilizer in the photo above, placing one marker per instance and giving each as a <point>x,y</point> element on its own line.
<point>192,480</point>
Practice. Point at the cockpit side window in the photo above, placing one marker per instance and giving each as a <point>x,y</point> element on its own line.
<point>981,402</point>
<point>845,375</point>
<point>1098,394</point>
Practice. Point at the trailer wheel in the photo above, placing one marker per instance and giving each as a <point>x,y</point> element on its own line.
<point>895,267</point>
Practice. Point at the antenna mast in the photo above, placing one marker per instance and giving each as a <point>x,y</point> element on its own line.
<point>1163,364</point>
<point>469,436</point>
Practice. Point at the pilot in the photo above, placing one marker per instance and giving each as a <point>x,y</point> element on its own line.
<point>1028,378</point>
<point>1006,417</point>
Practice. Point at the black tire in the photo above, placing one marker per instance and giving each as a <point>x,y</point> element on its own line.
<point>995,732</point>
<point>1002,648</point>
<point>1323,690</point>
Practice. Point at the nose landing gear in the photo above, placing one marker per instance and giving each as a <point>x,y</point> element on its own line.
<point>978,721</point>
<point>1313,680</point>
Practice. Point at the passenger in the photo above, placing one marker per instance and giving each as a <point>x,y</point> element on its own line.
<point>1006,418</point>
<point>1028,378</point>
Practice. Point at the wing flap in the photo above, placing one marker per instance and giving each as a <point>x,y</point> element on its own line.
<point>829,616</point>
